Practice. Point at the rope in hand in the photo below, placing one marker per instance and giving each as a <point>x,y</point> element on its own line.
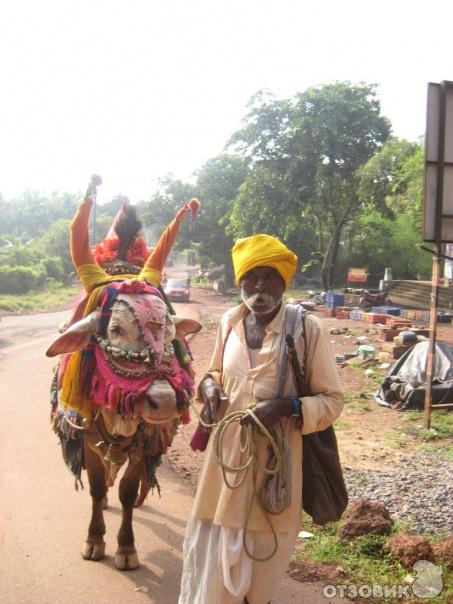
<point>247,439</point>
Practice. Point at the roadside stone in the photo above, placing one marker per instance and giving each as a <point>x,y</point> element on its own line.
<point>365,517</point>
<point>410,548</point>
<point>417,490</point>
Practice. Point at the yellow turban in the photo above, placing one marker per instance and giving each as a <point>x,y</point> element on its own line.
<point>263,250</point>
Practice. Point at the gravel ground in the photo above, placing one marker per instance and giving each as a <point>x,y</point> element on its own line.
<point>419,491</point>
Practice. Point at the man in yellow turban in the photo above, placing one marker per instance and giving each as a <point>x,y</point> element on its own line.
<point>241,535</point>
<point>263,250</point>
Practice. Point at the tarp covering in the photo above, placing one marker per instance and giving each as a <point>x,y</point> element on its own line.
<point>404,387</point>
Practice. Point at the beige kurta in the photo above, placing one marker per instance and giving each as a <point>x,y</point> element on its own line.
<point>243,384</point>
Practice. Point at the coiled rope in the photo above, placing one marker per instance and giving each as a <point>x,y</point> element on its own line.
<point>247,440</point>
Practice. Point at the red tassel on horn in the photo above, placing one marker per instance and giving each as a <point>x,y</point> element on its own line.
<point>96,180</point>
<point>193,205</point>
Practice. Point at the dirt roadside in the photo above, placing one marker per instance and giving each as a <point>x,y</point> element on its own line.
<point>367,433</point>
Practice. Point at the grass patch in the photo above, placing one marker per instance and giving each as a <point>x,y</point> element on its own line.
<point>352,399</point>
<point>397,438</point>
<point>366,560</point>
<point>359,369</point>
<point>340,424</point>
<point>48,298</point>
<point>443,450</point>
<point>436,440</point>
<point>441,425</point>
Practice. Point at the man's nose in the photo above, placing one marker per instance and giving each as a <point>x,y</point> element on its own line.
<point>259,285</point>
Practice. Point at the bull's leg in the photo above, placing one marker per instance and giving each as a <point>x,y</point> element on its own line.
<point>94,547</point>
<point>145,487</point>
<point>126,557</point>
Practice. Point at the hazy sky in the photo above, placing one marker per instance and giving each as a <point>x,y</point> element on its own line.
<point>136,89</point>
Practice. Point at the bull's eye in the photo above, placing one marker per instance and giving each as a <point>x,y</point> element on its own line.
<point>116,330</point>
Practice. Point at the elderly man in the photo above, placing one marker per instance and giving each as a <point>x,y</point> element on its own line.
<point>229,555</point>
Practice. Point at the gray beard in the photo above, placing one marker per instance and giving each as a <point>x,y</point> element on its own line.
<point>267,304</point>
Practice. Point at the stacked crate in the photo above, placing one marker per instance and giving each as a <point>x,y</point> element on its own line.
<point>372,317</point>
<point>333,300</point>
<point>387,334</point>
<point>394,349</point>
<point>398,322</point>
<point>386,310</point>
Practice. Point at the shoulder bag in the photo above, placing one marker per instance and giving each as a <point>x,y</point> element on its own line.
<point>324,494</point>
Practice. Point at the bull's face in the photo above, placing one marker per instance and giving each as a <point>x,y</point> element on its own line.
<point>134,344</point>
<point>138,333</point>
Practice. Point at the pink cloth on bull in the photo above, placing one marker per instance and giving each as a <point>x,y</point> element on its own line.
<point>126,394</point>
<point>151,313</point>
<point>147,305</point>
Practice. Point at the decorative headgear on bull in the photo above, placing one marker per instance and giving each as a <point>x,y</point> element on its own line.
<point>118,351</point>
<point>124,248</point>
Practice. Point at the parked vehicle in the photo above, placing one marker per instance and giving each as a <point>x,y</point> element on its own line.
<point>177,289</point>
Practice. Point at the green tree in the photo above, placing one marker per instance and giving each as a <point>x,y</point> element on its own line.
<point>158,212</point>
<point>56,243</point>
<point>389,231</point>
<point>218,184</point>
<point>29,215</point>
<point>306,154</point>
<point>391,180</point>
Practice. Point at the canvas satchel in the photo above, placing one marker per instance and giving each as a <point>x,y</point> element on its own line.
<point>324,494</point>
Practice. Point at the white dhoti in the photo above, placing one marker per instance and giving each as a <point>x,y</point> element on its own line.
<point>217,569</point>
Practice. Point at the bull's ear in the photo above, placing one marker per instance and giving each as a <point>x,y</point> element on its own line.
<point>184,327</point>
<point>77,337</point>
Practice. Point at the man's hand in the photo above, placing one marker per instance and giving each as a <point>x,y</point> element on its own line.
<point>270,411</point>
<point>211,394</point>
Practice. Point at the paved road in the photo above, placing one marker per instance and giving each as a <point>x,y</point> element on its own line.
<point>43,520</point>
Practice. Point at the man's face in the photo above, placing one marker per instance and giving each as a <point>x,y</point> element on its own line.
<point>262,290</point>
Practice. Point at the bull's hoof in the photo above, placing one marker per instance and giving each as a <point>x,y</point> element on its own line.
<point>128,561</point>
<point>93,551</point>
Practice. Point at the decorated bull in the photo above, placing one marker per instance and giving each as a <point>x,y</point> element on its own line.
<point>121,386</point>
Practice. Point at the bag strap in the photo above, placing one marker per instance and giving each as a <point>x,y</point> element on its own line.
<point>293,315</point>
<point>288,324</point>
<point>299,370</point>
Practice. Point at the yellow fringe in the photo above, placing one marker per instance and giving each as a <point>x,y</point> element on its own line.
<point>70,395</point>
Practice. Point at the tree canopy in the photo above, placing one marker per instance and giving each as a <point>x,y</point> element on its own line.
<point>320,171</point>
<point>306,156</point>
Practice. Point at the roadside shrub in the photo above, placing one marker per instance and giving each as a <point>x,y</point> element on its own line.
<point>20,279</point>
<point>52,266</point>
<point>17,256</point>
